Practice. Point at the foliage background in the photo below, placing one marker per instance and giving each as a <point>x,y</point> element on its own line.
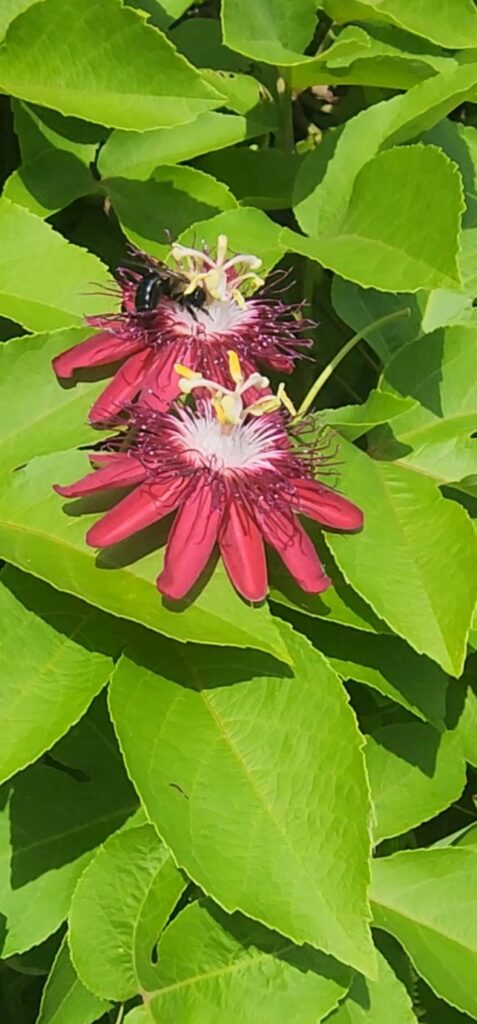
<point>204,811</point>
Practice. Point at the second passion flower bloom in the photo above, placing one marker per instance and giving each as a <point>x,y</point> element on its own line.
<point>193,318</point>
<point>233,478</point>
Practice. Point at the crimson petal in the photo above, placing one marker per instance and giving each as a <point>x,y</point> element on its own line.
<point>147,504</point>
<point>161,384</point>
<point>122,388</point>
<point>100,349</point>
<point>327,506</point>
<point>190,544</point>
<point>243,553</point>
<point>119,471</point>
<point>295,548</point>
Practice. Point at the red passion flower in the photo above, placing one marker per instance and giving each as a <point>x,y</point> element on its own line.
<point>232,477</point>
<point>191,315</point>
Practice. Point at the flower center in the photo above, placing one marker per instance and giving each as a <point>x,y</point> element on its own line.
<point>255,445</point>
<point>217,318</point>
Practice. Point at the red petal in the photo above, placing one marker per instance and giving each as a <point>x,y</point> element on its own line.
<point>295,548</point>
<point>123,387</point>
<point>243,553</point>
<point>327,506</point>
<point>100,349</point>
<point>119,471</point>
<point>147,504</point>
<point>190,544</point>
<point>161,384</point>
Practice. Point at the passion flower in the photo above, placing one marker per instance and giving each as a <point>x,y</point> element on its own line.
<point>150,341</point>
<point>232,476</point>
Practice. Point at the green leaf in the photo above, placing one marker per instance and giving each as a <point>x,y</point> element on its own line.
<point>48,416</point>
<point>384,663</point>
<point>44,279</point>
<point>208,759</point>
<point>467,724</point>
<point>124,898</point>
<point>427,900</point>
<point>273,31</point>
<point>10,10</point>
<point>325,182</point>
<point>384,1001</point>
<point>54,815</point>
<point>356,57</point>
<point>139,82</point>
<point>433,436</point>
<point>40,130</point>
<point>379,247</point>
<point>48,682</point>
<point>423,545</point>
<point>65,999</point>
<point>200,40</point>
<point>172,200</point>
<point>352,421</point>
<point>43,536</point>
<point>50,182</point>
<point>261,178</point>
<point>247,230</point>
<point>414,772</point>
<point>212,968</point>
<point>450,23</point>
<point>129,155</point>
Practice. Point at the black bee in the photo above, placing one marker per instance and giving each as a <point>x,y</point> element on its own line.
<point>168,284</point>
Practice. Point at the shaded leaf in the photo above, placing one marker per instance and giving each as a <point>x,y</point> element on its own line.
<point>452,23</point>
<point>414,773</point>
<point>54,815</point>
<point>427,900</point>
<point>274,31</point>
<point>384,1001</point>
<point>47,683</point>
<point>65,999</point>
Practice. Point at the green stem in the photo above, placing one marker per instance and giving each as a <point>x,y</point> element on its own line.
<point>286,136</point>
<point>331,366</point>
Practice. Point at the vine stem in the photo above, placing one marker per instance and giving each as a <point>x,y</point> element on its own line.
<point>331,366</point>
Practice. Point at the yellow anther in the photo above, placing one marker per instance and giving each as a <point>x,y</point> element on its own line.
<point>285,400</point>
<point>239,299</point>
<point>235,367</point>
<point>185,371</point>
<point>270,403</point>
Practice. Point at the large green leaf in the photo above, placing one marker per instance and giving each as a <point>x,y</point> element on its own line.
<point>428,900</point>
<point>49,417</point>
<point>411,561</point>
<point>212,747</point>
<point>65,999</point>
<point>139,82</point>
<point>325,182</point>
<point>50,182</point>
<point>402,246</point>
<point>41,534</point>
<point>54,815</point>
<point>45,282</point>
<point>433,436</point>
<point>48,682</point>
<point>124,899</point>
<point>10,10</point>
<point>450,23</point>
<point>174,198</point>
<point>129,155</point>
<point>384,1001</point>
<point>274,31</point>
<point>384,663</point>
<point>414,773</point>
<point>357,57</point>
<point>214,968</point>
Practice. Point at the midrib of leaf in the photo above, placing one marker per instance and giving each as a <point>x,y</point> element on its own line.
<point>219,972</point>
<point>260,798</point>
<point>404,915</point>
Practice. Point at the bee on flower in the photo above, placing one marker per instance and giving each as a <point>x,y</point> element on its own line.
<point>191,315</point>
<point>229,471</point>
